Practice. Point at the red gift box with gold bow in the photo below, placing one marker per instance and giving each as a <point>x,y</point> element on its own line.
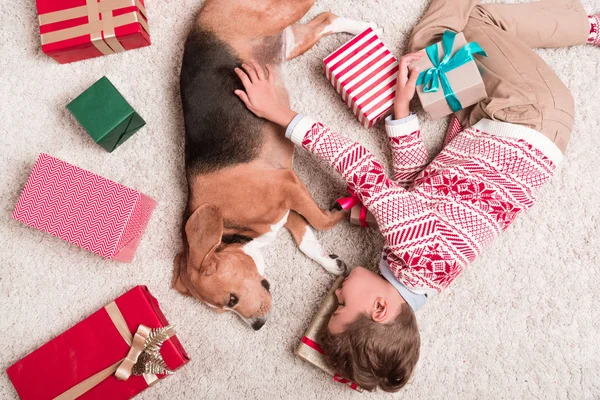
<point>75,30</point>
<point>115,353</point>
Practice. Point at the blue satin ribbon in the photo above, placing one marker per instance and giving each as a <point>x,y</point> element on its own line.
<point>431,78</point>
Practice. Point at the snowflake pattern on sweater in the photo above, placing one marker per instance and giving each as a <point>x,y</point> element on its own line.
<point>471,192</point>
<point>594,37</point>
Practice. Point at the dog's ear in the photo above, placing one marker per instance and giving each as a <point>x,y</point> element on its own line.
<point>204,230</point>
<point>179,268</point>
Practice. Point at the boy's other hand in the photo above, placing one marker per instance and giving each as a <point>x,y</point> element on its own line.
<point>406,86</point>
<point>260,96</point>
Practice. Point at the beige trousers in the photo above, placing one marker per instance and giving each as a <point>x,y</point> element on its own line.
<point>522,88</point>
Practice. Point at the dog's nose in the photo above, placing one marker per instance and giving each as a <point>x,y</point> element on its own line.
<point>265,284</point>
<point>258,323</point>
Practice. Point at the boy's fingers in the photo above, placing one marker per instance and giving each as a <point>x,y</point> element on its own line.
<point>244,97</point>
<point>403,70</point>
<point>251,72</point>
<point>259,71</point>
<point>414,75</point>
<point>407,59</point>
<point>243,77</point>
<point>413,56</point>
<point>405,63</point>
<point>270,73</point>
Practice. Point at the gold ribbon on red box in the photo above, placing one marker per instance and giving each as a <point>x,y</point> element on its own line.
<point>124,368</point>
<point>101,23</point>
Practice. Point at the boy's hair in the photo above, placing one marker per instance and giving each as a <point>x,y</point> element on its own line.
<point>373,354</point>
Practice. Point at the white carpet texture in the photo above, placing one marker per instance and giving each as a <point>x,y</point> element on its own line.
<point>522,322</point>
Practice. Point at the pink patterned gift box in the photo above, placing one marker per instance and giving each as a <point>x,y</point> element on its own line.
<point>83,208</point>
<point>364,72</point>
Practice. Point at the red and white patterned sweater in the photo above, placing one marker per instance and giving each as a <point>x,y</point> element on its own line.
<point>440,221</point>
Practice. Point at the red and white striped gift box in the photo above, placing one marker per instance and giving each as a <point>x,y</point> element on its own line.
<point>363,72</point>
<point>83,208</point>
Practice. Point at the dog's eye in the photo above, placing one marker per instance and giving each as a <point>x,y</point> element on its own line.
<point>233,300</point>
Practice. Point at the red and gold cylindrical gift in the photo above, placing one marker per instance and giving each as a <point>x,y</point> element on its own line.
<point>114,354</point>
<point>75,30</point>
<point>310,349</point>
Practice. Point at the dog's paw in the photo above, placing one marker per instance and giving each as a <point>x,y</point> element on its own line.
<point>334,265</point>
<point>354,27</point>
<point>336,207</point>
<point>379,31</point>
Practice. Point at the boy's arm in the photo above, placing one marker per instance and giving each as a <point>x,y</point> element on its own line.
<point>408,151</point>
<point>364,174</point>
<point>358,166</point>
<point>347,157</point>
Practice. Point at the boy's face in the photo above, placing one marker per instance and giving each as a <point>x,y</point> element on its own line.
<point>362,291</point>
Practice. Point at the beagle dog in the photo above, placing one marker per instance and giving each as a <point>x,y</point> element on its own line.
<point>241,186</point>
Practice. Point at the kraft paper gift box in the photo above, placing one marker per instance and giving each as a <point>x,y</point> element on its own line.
<point>359,215</point>
<point>456,80</point>
<point>105,355</point>
<point>83,208</point>
<point>364,72</point>
<point>310,350</point>
<point>75,30</point>
<point>106,115</point>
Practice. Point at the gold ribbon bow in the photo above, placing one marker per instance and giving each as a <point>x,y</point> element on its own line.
<point>143,358</point>
<point>101,23</point>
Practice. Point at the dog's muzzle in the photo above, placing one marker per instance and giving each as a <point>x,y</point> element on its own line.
<point>255,323</point>
<point>258,323</point>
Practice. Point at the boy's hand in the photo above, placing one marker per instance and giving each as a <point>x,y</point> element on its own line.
<point>260,96</point>
<point>406,86</point>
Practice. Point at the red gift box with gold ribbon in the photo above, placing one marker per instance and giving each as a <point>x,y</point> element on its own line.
<point>75,30</point>
<point>115,353</point>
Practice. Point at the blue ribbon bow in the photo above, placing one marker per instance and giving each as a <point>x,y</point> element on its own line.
<point>431,78</point>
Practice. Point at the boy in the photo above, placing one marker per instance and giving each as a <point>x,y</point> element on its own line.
<point>487,173</point>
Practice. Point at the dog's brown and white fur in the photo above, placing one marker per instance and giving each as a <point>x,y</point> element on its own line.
<point>242,188</point>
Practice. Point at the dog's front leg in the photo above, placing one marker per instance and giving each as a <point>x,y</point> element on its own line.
<point>309,244</point>
<point>299,38</point>
<point>298,199</point>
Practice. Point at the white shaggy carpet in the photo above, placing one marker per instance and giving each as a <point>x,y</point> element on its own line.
<point>522,322</point>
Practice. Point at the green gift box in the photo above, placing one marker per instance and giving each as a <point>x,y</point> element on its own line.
<point>106,115</point>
